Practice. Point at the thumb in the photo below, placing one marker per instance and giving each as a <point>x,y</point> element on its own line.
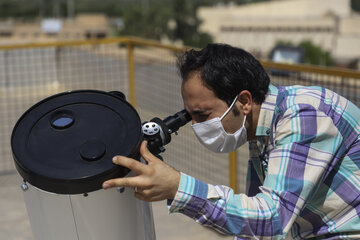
<point>146,154</point>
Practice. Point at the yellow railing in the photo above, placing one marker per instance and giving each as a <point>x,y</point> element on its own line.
<point>131,72</point>
<point>132,43</point>
<point>330,71</point>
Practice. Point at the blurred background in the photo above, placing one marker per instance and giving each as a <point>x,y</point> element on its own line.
<point>327,30</point>
<point>52,46</point>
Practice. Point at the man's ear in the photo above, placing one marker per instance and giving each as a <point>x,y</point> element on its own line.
<point>245,99</point>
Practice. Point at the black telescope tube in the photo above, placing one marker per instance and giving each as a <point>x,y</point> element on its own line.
<point>177,120</point>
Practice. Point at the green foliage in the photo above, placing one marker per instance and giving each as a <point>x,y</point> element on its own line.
<point>174,19</point>
<point>154,19</point>
<point>18,8</point>
<point>148,23</point>
<point>112,8</point>
<point>313,54</point>
<point>187,24</point>
<point>355,5</point>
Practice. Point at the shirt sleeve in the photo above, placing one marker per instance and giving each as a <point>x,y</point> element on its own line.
<point>304,142</point>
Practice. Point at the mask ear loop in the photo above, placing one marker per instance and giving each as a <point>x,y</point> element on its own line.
<point>228,110</point>
<point>244,122</point>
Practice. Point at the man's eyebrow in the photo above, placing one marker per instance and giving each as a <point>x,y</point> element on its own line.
<point>198,112</point>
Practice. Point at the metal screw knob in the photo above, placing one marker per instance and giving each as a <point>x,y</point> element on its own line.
<point>24,186</point>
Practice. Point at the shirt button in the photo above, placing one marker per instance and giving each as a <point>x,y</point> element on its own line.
<point>268,132</point>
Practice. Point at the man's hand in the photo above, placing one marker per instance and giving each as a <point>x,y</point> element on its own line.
<point>154,182</point>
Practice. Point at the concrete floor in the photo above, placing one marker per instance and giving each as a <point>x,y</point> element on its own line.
<point>14,222</point>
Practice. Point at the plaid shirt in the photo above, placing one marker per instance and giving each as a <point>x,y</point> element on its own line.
<point>303,174</point>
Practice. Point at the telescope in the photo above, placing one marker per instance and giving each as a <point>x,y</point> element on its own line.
<point>63,148</point>
<point>158,132</point>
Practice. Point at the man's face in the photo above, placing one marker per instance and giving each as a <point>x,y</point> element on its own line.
<point>202,104</point>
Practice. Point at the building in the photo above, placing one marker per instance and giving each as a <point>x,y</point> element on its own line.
<point>257,27</point>
<point>83,26</point>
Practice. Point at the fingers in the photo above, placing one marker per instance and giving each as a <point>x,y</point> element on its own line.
<point>122,182</point>
<point>144,195</point>
<point>139,192</point>
<point>141,196</point>
<point>150,186</point>
<point>146,154</point>
<point>135,166</point>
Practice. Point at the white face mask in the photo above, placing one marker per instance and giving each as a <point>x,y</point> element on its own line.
<point>213,136</point>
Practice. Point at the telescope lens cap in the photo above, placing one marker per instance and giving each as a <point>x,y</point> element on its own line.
<point>65,143</point>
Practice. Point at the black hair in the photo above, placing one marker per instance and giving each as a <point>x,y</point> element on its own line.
<point>226,70</point>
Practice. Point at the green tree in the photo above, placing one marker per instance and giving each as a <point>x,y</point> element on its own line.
<point>175,19</point>
<point>151,22</point>
<point>187,24</point>
<point>314,54</point>
<point>152,19</point>
<point>355,5</point>
<point>19,9</point>
<point>112,8</point>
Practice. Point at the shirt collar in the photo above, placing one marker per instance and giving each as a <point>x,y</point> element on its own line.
<point>267,112</point>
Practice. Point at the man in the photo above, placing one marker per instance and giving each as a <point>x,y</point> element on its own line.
<point>304,168</point>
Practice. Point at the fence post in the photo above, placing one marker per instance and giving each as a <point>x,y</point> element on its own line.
<point>131,74</point>
<point>233,171</point>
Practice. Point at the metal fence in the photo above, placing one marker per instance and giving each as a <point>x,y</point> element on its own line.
<point>146,72</point>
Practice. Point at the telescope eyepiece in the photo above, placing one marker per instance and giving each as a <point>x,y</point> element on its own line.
<point>158,132</point>
<point>177,120</point>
